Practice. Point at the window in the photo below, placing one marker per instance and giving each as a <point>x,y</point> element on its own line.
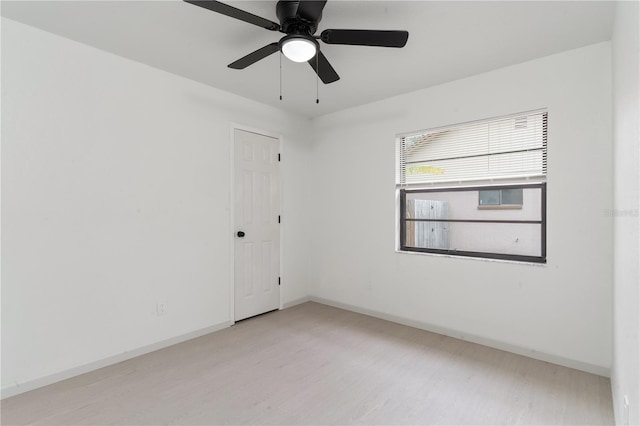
<point>476,189</point>
<point>500,197</point>
<point>447,221</point>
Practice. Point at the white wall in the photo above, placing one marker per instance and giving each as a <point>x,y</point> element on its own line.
<point>625,375</point>
<point>560,311</point>
<point>116,195</point>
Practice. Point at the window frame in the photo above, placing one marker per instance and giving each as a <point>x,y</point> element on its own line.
<point>486,255</point>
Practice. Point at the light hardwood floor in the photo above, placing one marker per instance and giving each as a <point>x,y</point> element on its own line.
<point>314,364</point>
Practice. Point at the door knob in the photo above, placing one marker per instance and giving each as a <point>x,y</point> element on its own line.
<point>240,234</point>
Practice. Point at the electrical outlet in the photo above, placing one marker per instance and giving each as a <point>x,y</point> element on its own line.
<point>161,308</point>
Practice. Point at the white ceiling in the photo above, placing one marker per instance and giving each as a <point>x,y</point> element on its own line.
<point>448,40</point>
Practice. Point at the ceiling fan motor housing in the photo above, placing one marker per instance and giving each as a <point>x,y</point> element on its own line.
<point>291,22</point>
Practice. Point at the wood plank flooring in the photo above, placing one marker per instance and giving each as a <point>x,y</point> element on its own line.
<point>314,364</point>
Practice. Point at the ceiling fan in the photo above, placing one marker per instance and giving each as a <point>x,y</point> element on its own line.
<point>299,20</point>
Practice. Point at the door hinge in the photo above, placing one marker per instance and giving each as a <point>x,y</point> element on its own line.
<point>278,218</point>
<point>279,157</point>
<point>278,280</point>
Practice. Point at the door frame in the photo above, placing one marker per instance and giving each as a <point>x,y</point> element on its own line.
<point>232,213</point>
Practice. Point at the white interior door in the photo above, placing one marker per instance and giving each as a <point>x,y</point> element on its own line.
<point>257,228</point>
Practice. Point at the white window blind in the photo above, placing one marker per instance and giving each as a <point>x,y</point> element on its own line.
<point>506,147</point>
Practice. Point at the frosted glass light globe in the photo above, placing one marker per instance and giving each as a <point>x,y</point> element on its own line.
<point>299,49</point>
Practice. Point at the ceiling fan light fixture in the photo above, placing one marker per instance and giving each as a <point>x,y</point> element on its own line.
<point>299,48</point>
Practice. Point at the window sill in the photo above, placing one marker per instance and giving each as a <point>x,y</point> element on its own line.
<point>481,259</point>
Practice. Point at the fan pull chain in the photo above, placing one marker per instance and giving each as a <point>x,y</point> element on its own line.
<point>280,75</point>
<point>317,76</point>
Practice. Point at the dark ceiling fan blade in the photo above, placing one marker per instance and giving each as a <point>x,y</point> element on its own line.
<point>311,10</point>
<point>380,38</point>
<point>254,57</point>
<point>323,68</point>
<point>231,11</point>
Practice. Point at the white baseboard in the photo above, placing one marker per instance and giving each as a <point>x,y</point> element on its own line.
<point>296,302</point>
<point>18,388</point>
<point>528,352</point>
